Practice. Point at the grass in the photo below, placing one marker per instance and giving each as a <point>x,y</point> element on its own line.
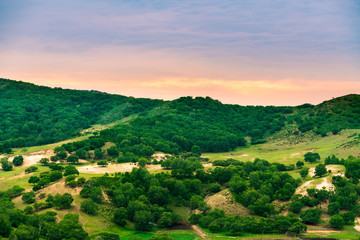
<point>18,177</point>
<point>48,146</point>
<point>125,233</point>
<point>278,151</point>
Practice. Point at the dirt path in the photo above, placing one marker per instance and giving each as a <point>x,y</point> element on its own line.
<point>302,189</point>
<point>198,231</point>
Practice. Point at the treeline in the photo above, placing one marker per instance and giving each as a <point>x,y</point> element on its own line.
<point>34,115</point>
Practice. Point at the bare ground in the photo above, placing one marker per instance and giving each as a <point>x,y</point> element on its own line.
<point>34,157</point>
<point>113,168</point>
<point>325,184</point>
<point>198,231</point>
<point>303,151</point>
<point>357,224</point>
<point>302,189</point>
<point>224,200</point>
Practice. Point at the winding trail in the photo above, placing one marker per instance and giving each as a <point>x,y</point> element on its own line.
<point>198,231</point>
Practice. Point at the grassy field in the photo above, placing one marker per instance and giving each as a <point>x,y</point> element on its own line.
<point>341,145</point>
<point>48,146</point>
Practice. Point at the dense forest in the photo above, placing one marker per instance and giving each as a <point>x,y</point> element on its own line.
<point>35,115</point>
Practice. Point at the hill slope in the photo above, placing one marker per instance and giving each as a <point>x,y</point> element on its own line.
<point>33,115</point>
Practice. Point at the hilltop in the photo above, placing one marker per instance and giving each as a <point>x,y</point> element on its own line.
<point>36,115</point>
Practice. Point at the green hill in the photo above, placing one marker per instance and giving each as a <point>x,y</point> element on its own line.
<point>34,115</point>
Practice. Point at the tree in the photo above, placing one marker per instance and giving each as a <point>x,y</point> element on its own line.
<point>68,228</point>
<point>311,157</point>
<point>55,175</point>
<point>297,228</point>
<point>299,164</point>
<point>89,206</point>
<point>54,159</point>
<point>28,197</point>
<point>24,232</point>
<point>142,162</point>
<point>336,221</point>
<point>63,201</point>
<point>143,220</point>
<point>112,151</point>
<point>44,161</point>
<point>334,208</point>
<point>304,172</point>
<point>195,149</point>
<point>120,216</point>
<point>348,217</point>
<point>18,160</point>
<point>310,216</point>
<point>62,155</point>
<point>98,153</point>
<point>33,179</point>
<point>102,163</point>
<point>320,170</point>
<point>5,224</point>
<point>28,210</point>
<point>73,158</point>
<point>296,206</point>
<point>6,165</point>
<point>69,170</point>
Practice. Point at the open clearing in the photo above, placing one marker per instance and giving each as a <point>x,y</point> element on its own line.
<point>34,157</point>
<point>113,168</point>
<point>278,151</point>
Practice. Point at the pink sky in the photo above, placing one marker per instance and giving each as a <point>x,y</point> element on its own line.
<point>247,52</point>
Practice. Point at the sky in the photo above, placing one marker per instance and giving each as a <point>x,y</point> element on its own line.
<point>247,52</point>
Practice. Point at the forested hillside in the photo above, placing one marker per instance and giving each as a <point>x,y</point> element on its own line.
<point>34,115</point>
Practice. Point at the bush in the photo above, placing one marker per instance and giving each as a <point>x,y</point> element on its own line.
<point>90,207</point>
<point>334,208</point>
<point>55,175</point>
<point>336,221</point>
<point>28,197</point>
<point>18,160</point>
<point>120,216</point>
<point>31,169</point>
<point>310,216</point>
<point>69,170</point>
<point>72,184</point>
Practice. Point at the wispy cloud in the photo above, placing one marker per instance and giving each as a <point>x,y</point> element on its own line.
<point>144,41</point>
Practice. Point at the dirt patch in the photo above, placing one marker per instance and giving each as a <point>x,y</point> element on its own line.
<point>302,189</point>
<point>303,151</point>
<point>34,157</point>
<point>207,165</point>
<point>113,168</point>
<point>325,184</point>
<point>357,224</point>
<point>224,200</point>
<point>335,170</point>
<point>198,231</point>
<point>160,156</point>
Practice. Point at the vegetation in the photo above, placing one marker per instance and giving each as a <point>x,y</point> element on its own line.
<point>272,197</point>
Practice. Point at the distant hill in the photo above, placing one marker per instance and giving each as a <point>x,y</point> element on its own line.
<point>35,115</point>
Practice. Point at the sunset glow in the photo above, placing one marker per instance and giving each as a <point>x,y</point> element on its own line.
<point>241,52</point>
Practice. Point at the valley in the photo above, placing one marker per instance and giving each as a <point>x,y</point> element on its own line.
<point>192,168</point>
